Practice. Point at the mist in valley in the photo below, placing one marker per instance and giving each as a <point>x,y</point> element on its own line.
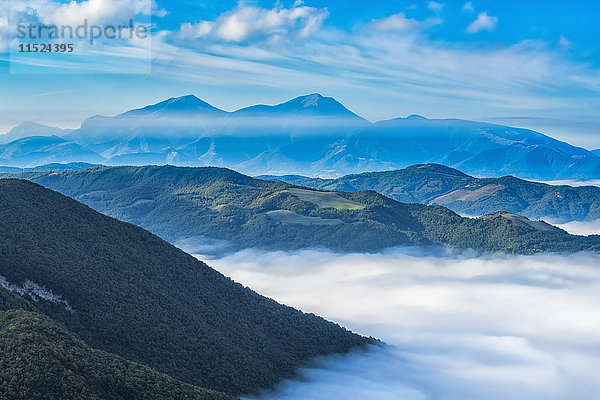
<point>584,228</point>
<point>458,326</point>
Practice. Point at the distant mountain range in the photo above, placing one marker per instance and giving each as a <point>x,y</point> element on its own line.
<point>464,194</point>
<point>309,135</point>
<point>125,292</point>
<point>52,167</point>
<point>222,210</point>
<point>40,150</point>
<point>29,128</point>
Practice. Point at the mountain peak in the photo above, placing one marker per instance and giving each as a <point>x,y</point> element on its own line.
<point>182,104</point>
<point>313,104</point>
<point>30,128</point>
<point>189,100</point>
<point>310,100</point>
<point>314,101</point>
<point>30,125</point>
<point>435,168</point>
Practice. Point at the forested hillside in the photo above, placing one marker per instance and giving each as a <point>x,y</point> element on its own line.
<point>177,203</point>
<point>41,360</point>
<point>125,291</point>
<point>464,194</point>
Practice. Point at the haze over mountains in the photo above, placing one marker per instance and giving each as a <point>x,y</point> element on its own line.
<point>310,135</point>
<point>30,128</point>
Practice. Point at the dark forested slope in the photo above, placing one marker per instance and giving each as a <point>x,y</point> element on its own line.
<point>125,291</point>
<point>41,360</point>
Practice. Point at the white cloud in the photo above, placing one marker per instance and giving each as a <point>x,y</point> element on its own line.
<point>247,22</point>
<point>564,42</point>
<point>468,7</point>
<point>483,22</point>
<point>195,31</point>
<point>99,11</point>
<point>498,327</point>
<point>4,33</point>
<point>409,70</point>
<point>396,22</point>
<point>435,6</point>
<point>364,65</point>
<point>584,228</point>
<point>570,182</point>
<point>129,53</point>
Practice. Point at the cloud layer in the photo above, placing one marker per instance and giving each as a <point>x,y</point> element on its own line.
<point>584,228</point>
<point>247,22</point>
<point>462,328</point>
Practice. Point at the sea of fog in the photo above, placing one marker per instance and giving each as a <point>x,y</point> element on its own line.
<point>458,326</point>
<point>584,228</point>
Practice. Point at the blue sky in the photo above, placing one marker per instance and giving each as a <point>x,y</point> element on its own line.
<point>534,64</point>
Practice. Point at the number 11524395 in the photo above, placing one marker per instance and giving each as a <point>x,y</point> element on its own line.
<point>45,48</point>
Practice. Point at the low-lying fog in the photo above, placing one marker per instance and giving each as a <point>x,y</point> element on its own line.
<point>501,327</point>
<point>584,228</point>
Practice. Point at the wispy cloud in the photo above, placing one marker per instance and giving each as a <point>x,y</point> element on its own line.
<point>291,50</point>
<point>390,57</point>
<point>482,22</point>
<point>258,23</point>
<point>4,32</point>
<point>98,11</point>
<point>468,6</point>
<point>387,57</point>
<point>435,6</point>
<point>584,228</point>
<point>396,22</point>
<point>564,42</point>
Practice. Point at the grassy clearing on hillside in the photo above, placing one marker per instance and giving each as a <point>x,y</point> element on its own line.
<point>292,217</point>
<point>326,199</point>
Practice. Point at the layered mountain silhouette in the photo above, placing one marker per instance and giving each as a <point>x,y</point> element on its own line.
<point>467,195</point>
<point>313,135</point>
<point>40,150</point>
<point>29,128</point>
<point>226,210</point>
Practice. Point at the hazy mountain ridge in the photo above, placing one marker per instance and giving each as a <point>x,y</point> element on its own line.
<point>52,167</point>
<point>467,195</point>
<point>315,135</point>
<point>39,150</point>
<point>136,296</point>
<point>30,128</point>
<point>215,203</point>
